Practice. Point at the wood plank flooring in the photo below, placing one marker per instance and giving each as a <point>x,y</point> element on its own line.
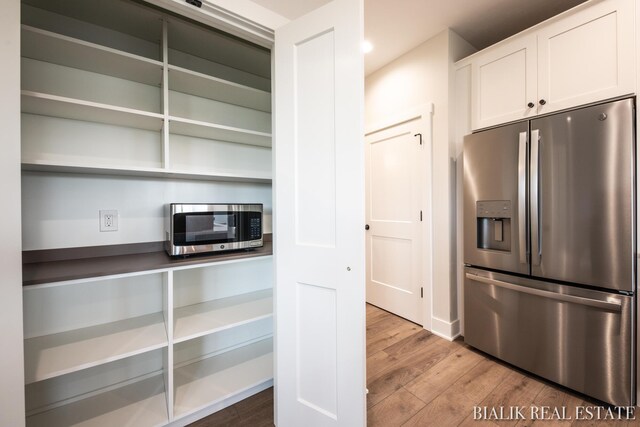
<point>416,379</point>
<point>256,411</point>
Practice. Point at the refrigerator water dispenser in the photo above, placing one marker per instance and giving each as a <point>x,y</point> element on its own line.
<point>494,224</point>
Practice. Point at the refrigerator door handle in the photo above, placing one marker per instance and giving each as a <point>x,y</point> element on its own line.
<point>522,196</point>
<point>536,226</point>
<point>607,305</point>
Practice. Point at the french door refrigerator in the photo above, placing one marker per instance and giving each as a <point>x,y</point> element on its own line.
<point>549,247</point>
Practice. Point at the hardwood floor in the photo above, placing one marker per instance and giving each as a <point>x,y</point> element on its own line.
<point>416,379</point>
<point>256,411</point>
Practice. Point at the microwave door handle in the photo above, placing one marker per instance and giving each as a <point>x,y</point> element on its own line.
<point>536,226</point>
<point>522,197</point>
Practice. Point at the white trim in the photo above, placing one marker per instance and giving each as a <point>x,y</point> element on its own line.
<point>447,330</point>
<point>402,117</point>
<point>227,20</point>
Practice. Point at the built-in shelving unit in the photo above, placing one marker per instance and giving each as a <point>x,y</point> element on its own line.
<point>194,332</point>
<point>77,69</point>
<point>119,95</point>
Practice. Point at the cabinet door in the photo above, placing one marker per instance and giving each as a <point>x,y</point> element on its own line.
<point>504,83</point>
<point>587,56</point>
<point>319,218</point>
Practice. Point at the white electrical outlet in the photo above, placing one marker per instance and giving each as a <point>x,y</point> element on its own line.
<point>109,220</point>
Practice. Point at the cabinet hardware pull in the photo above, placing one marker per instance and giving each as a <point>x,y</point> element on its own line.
<point>542,102</point>
<point>531,105</point>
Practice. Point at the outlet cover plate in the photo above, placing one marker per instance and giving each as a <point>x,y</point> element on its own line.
<point>109,220</point>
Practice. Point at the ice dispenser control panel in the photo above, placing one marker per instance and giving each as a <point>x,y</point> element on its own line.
<point>494,224</point>
<point>494,209</point>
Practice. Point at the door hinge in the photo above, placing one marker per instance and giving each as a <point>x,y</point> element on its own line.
<point>421,292</point>
<point>419,135</point>
<point>420,215</point>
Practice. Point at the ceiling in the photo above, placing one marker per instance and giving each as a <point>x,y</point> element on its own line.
<point>397,26</point>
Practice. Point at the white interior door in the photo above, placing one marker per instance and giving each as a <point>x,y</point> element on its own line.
<point>395,189</point>
<point>319,219</point>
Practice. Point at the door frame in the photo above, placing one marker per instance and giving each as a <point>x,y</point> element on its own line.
<point>424,114</point>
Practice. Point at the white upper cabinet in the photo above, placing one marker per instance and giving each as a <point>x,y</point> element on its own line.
<point>586,57</point>
<point>504,83</point>
<point>583,56</point>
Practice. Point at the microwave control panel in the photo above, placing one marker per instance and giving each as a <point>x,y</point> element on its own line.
<point>255,228</point>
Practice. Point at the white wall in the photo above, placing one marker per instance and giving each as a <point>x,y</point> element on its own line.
<point>61,210</point>
<point>424,75</point>
<point>11,357</point>
<point>414,78</point>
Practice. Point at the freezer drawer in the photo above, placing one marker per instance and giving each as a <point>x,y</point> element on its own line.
<point>579,338</point>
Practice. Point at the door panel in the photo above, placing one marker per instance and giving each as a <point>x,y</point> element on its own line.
<point>494,222</point>
<point>586,197</point>
<point>395,163</point>
<point>315,158</point>
<point>504,83</point>
<point>319,219</point>
<point>579,338</point>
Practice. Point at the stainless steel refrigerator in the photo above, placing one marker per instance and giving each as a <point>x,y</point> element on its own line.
<point>549,247</point>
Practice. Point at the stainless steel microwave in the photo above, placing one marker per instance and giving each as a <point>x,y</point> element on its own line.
<point>193,228</point>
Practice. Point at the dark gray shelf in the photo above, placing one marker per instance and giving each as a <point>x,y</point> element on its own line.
<point>59,265</point>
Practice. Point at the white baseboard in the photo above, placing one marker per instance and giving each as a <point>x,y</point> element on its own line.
<point>447,330</point>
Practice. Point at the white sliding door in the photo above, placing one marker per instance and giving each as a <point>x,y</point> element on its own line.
<point>319,219</point>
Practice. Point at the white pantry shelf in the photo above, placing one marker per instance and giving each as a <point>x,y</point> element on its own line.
<point>205,318</point>
<point>199,129</point>
<point>53,355</point>
<point>142,403</point>
<point>203,85</point>
<point>71,52</point>
<point>118,170</point>
<point>259,178</point>
<point>69,108</point>
<point>85,167</point>
<point>216,378</point>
